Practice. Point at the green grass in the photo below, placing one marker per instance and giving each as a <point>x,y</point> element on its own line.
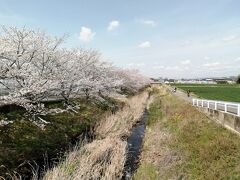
<point>146,171</point>
<point>222,92</point>
<point>210,151</point>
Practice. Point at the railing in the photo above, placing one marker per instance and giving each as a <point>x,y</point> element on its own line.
<point>227,107</point>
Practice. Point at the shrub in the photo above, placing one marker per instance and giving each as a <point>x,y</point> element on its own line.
<point>238,79</point>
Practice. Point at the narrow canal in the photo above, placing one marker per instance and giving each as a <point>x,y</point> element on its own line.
<point>134,146</point>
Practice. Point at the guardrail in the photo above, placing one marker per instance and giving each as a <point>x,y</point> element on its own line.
<point>227,107</point>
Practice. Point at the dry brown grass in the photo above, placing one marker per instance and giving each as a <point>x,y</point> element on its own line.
<point>104,158</point>
<point>101,159</point>
<point>158,158</point>
<point>120,124</point>
<point>158,152</point>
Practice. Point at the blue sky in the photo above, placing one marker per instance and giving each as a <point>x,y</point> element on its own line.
<point>167,38</point>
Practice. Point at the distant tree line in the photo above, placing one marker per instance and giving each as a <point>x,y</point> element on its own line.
<point>238,79</point>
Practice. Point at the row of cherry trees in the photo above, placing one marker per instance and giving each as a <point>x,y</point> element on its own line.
<point>35,67</point>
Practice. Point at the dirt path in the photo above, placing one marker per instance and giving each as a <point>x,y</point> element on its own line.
<point>181,94</point>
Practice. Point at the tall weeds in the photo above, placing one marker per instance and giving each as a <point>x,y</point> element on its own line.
<point>104,158</point>
<point>119,124</point>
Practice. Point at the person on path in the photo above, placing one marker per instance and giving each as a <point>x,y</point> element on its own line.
<point>149,94</point>
<point>188,93</point>
<point>174,89</point>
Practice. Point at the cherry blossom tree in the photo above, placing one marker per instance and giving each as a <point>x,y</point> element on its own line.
<point>133,81</point>
<point>28,59</point>
<point>35,68</point>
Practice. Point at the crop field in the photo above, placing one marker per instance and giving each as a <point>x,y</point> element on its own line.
<point>222,92</point>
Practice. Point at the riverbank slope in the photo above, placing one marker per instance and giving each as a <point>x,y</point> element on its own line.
<point>104,157</point>
<point>182,143</point>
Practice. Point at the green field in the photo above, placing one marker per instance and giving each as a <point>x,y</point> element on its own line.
<point>222,92</point>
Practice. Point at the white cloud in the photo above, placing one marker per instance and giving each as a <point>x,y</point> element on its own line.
<point>186,43</point>
<point>86,34</point>
<point>212,65</point>
<point>113,25</point>
<point>136,64</point>
<point>158,67</point>
<point>167,68</point>
<point>206,58</point>
<point>145,44</point>
<point>229,38</point>
<point>185,62</point>
<point>148,22</point>
<point>173,68</point>
<point>237,59</point>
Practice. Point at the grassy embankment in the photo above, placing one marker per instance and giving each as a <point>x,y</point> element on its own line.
<point>104,158</point>
<point>182,143</point>
<point>222,92</point>
<point>23,143</point>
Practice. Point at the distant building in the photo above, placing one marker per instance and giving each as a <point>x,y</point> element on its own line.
<point>169,81</point>
<point>157,80</point>
<point>197,81</point>
<point>230,80</point>
<point>224,80</point>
